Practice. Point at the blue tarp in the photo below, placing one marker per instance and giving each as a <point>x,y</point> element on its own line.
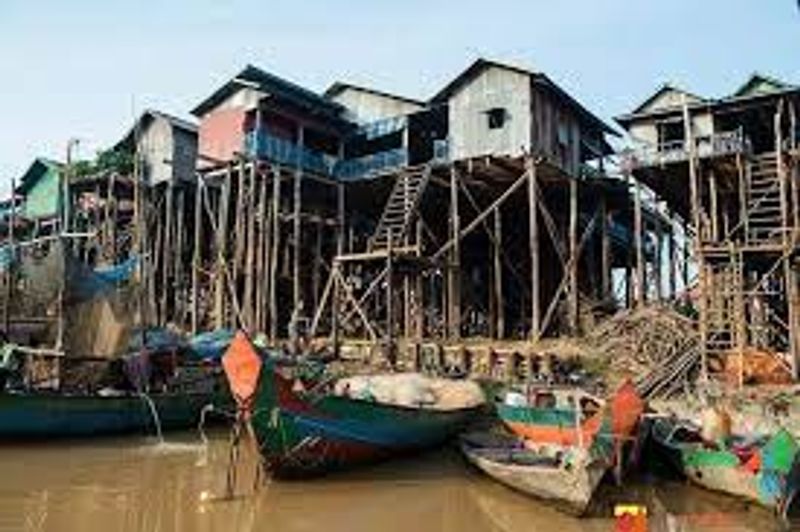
<point>211,345</point>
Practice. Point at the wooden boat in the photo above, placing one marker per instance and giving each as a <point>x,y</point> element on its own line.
<point>764,470</point>
<point>570,416</point>
<point>48,415</point>
<point>302,433</point>
<point>566,479</point>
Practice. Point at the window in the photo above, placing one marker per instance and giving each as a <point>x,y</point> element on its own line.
<point>496,117</point>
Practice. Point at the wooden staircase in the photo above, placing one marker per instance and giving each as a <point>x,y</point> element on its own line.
<point>400,207</point>
<point>765,221</point>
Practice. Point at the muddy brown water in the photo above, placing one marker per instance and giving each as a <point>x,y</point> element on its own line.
<point>138,484</point>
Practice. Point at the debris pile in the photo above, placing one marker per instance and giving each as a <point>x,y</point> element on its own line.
<point>654,345</point>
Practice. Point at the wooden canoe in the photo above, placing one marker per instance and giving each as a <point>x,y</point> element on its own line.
<point>303,433</point>
<point>567,482</point>
<point>763,470</point>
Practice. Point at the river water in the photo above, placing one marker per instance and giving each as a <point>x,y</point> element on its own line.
<point>139,484</point>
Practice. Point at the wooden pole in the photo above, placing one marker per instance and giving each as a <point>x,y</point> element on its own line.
<point>605,248</point>
<point>454,270</point>
<point>498,275</point>
<point>640,285</point>
<point>695,209</point>
<point>533,215</point>
<point>297,228</point>
<point>273,268</point>
<point>573,248</point>
<point>251,192</point>
<point>222,248</point>
<point>419,287</point>
<point>262,279</point>
<point>658,266</point>
<point>197,253</point>
<point>167,251</point>
<point>673,258</point>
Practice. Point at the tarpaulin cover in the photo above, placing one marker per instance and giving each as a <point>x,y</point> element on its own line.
<point>211,345</point>
<point>242,366</point>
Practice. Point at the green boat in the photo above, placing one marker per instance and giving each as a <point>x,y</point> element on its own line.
<point>34,415</point>
<point>764,470</point>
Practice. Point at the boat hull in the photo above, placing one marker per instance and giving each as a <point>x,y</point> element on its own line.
<point>721,470</point>
<point>43,415</point>
<point>301,436</point>
<point>570,489</point>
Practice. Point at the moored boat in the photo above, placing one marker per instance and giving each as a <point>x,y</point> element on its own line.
<point>764,470</point>
<point>567,479</point>
<point>56,415</point>
<point>311,427</point>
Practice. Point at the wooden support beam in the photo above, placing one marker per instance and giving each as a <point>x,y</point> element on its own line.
<point>222,249</point>
<point>497,249</point>
<point>641,283</point>
<point>574,262</point>
<point>454,264</point>
<point>274,258</point>
<point>251,196</point>
<point>478,220</point>
<point>533,221</point>
<point>297,228</point>
<point>605,249</point>
<point>673,257</point>
<point>658,260</point>
<point>197,253</point>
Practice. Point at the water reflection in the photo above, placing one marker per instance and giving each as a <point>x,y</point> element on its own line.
<point>140,485</point>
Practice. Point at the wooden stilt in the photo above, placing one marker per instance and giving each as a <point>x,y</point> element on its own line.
<point>573,247</point>
<point>274,258</point>
<point>605,249</point>
<point>250,192</point>
<point>498,275</point>
<point>454,269</point>
<point>222,249</point>
<point>197,254</point>
<point>533,214</point>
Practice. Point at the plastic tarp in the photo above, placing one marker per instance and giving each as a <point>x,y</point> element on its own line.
<point>211,345</point>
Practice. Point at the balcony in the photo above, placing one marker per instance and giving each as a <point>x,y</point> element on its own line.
<point>282,151</point>
<point>706,146</point>
<point>372,165</point>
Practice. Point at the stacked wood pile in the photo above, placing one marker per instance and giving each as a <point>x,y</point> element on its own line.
<point>655,346</point>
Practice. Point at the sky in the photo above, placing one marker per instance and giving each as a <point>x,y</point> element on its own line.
<point>84,68</point>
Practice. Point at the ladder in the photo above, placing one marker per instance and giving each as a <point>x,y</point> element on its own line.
<point>765,221</point>
<point>400,207</point>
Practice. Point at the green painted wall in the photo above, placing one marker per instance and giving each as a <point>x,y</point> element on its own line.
<point>43,198</point>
